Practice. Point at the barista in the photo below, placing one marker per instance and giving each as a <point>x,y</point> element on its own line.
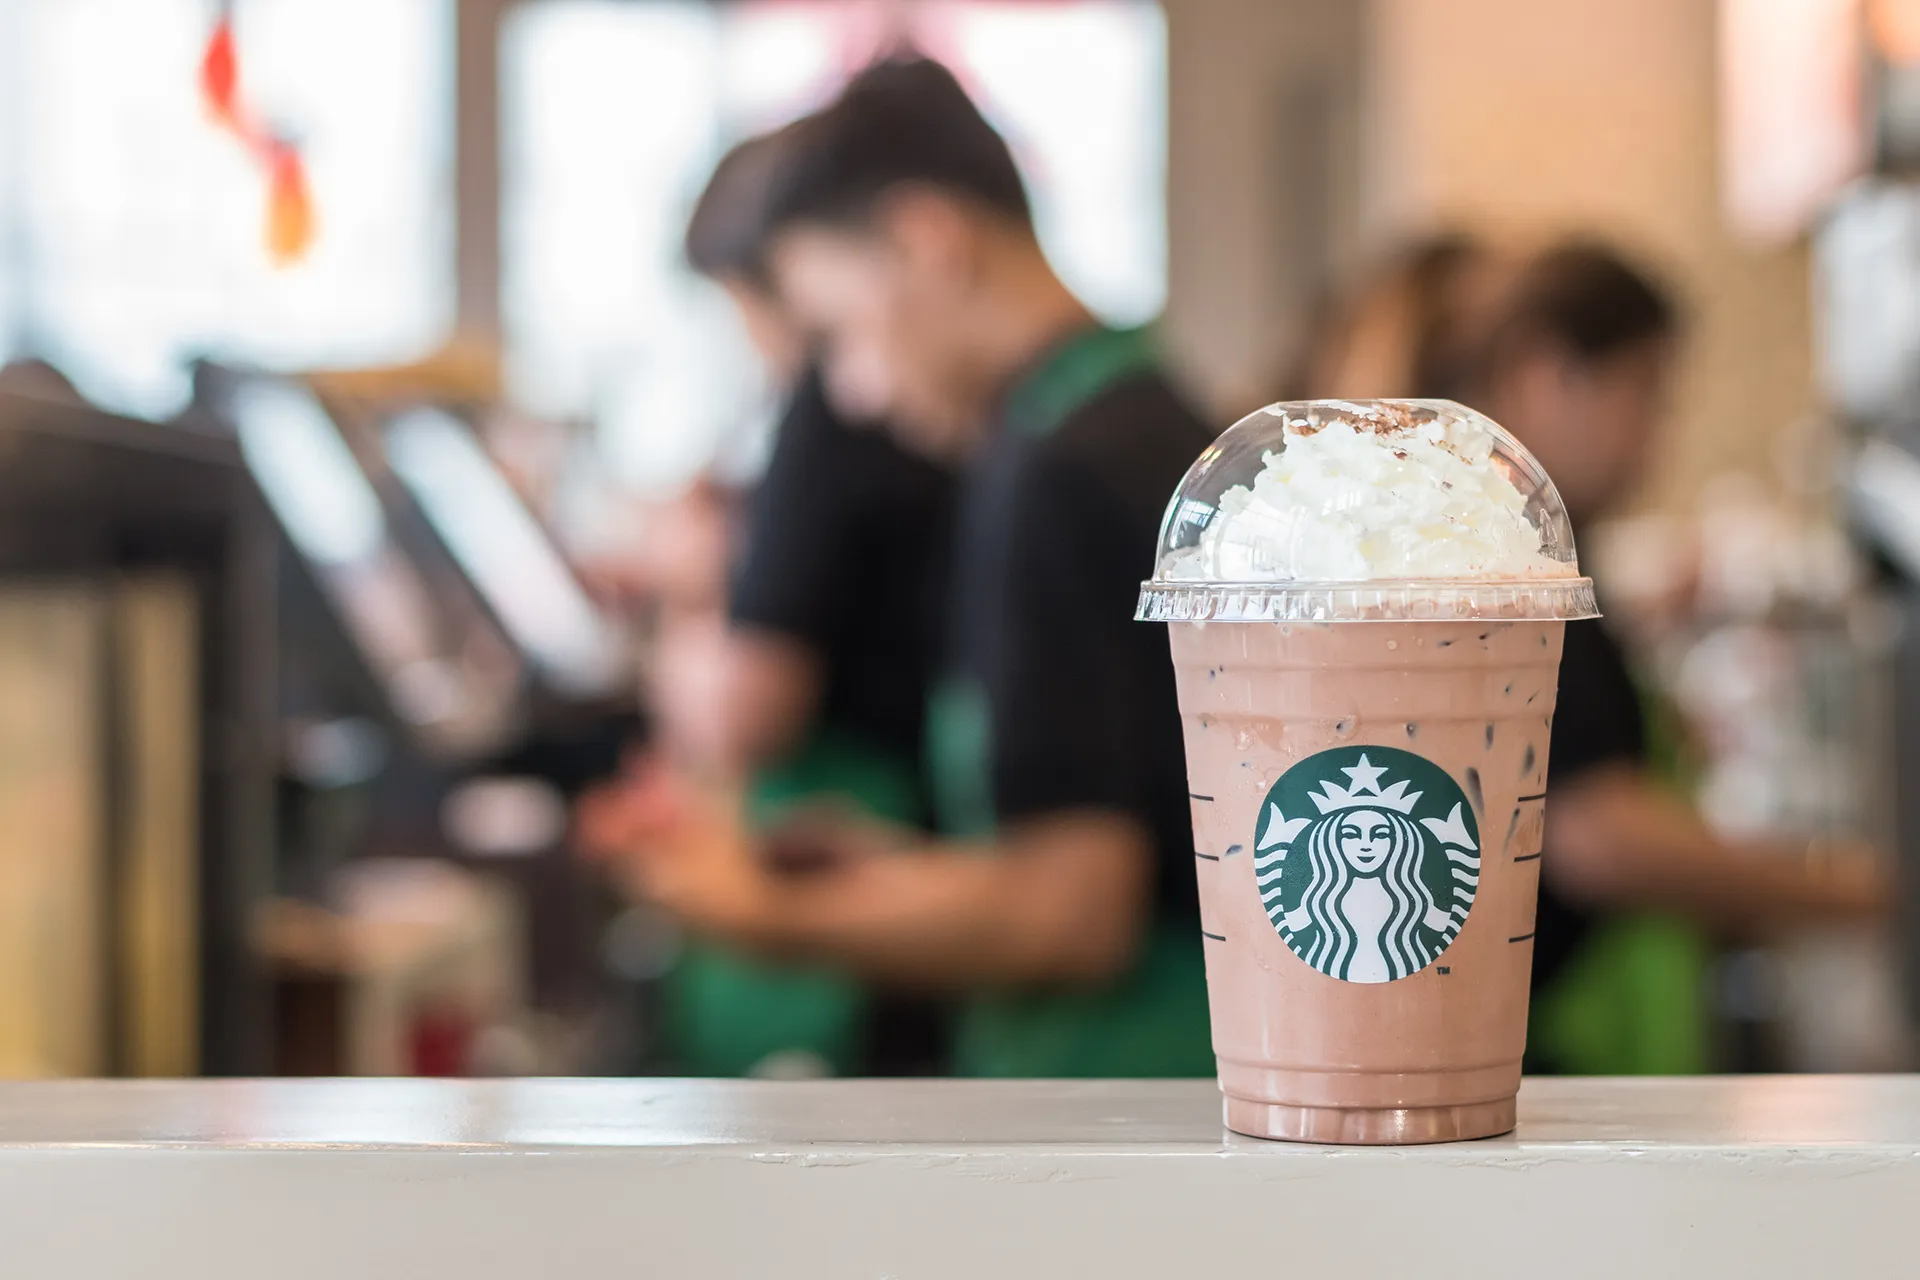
<point>811,686</point>
<point>1576,363</point>
<point>1060,906</point>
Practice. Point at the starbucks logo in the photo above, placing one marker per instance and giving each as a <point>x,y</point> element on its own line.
<point>1367,859</point>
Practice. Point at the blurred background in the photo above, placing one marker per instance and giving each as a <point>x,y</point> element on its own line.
<point>348,343</point>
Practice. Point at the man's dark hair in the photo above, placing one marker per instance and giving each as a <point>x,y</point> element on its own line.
<point>1585,298</point>
<point>727,231</point>
<point>901,122</point>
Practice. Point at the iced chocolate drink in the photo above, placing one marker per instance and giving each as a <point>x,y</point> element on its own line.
<point>1367,601</point>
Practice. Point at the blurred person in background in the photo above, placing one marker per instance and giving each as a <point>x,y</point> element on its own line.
<point>1575,359</point>
<point>811,682</point>
<point>1403,330</point>
<point>1061,905</point>
<point>830,599</point>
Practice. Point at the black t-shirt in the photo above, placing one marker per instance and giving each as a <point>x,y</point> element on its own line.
<point>1058,525</point>
<point>845,549</point>
<point>1597,721</point>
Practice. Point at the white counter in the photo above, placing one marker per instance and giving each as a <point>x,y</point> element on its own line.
<point>1762,1176</point>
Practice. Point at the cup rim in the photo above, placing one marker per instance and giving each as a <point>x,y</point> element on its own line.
<point>1537,599</point>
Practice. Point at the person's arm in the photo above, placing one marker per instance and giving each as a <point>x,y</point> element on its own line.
<point>770,690</point>
<point>1056,900</point>
<point>1061,900</point>
<point>728,699</point>
<point>1064,892</point>
<point>1615,840</point>
<point>736,692</point>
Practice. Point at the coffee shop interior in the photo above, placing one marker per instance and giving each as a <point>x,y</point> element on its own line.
<point>401,600</point>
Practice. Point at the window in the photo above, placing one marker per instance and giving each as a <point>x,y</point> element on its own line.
<point>131,227</point>
<point>613,113</point>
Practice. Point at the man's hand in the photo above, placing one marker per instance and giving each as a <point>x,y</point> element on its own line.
<point>685,848</point>
<point>613,813</point>
<point>1062,900</point>
<point>708,872</point>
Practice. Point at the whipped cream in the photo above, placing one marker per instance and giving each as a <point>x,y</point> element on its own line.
<point>1381,492</point>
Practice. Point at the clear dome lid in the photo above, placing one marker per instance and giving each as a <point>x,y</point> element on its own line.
<point>1365,510</point>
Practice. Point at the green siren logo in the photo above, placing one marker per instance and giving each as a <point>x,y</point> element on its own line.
<point>1368,881</point>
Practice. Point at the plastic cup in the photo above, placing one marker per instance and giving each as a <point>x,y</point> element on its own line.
<point>1367,759</point>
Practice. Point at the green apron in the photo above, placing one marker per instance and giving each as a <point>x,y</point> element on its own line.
<point>1152,1021</point>
<point>1631,1000</point>
<point>725,1012</point>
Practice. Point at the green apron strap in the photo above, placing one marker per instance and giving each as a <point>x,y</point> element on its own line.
<point>959,730</point>
<point>959,733</point>
<point>1153,1020</point>
<point>1075,372</point>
